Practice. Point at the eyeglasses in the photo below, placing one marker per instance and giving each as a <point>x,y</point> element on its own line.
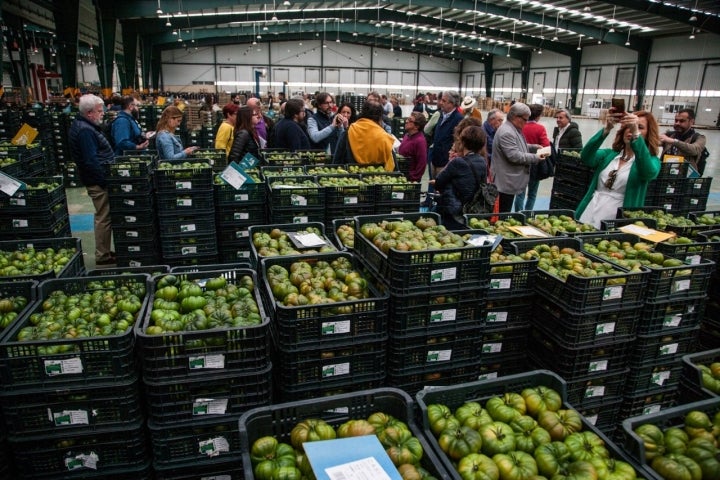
<point>329,102</point>
<point>611,179</point>
<point>527,119</point>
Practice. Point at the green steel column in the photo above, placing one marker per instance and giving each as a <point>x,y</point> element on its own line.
<point>107,28</point>
<point>643,63</point>
<point>489,74</point>
<point>574,79</point>
<point>130,49</point>
<point>67,30</point>
<point>525,74</point>
<point>155,61</point>
<point>147,68</point>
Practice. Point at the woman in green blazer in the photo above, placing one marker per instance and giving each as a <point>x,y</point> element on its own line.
<point>622,173</point>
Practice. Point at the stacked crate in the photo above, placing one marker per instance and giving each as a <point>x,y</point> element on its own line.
<point>71,400</point>
<point>571,181</point>
<point>186,211</point>
<point>583,327</point>
<point>295,199</point>
<point>198,381</point>
<point>60,124</point>
<point>394,193</point>
<point>326,347</point>
<point>709,337</point>
<point>235,211</point>
<point>438,334</point>
<point>10,122</point>
<point>39,211</point>
<point>41,120</point>
<point>676,192</point>
<point>346,195</point>
<point>133,210</point>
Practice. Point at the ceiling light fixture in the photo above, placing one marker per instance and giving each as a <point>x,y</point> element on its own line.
<point>693,17</point>
<point>274,17</point>
<point>692,34</point>
<point>612,22</point>
<point>168,24</point>
<point>474,18</point>
<point>627,41</point>
<point>587,7</point>
<point>159,9</point>
<point>579,47</point>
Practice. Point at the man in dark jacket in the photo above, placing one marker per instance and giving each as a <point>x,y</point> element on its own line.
<point>566,134</point>
<point>125,130</point>
<point>288,132</point>
<point>91,151</point>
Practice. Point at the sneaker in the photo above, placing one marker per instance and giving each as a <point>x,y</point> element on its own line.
<point>111,260</point>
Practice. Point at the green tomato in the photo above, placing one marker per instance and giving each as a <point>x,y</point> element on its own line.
<point>460,441</point>
<point>515,465</point>
<point>675,466</point>
<point>473,415</point>
<point>506,408</point>
<point>497,437</point>
<point>586,445</point>
<point>652,438</point>
<point>477,466</point>
<point>441,418</point>
<point>541,398</point>
<point>551,458</point>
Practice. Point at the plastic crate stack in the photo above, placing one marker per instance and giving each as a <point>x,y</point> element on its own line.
<point>10,122</point>
<point>394,193</point>
<point>186,211</point>
<point>571,180</point>
<point>438,334</point>
<point>59,141</point>
<point>346,195</point>
<point>40,211</point>
<point>197,383</point>
<point>583,328</point>
<point>149,116</point>
<point>133,210</point>
<point>294,198</point>
<point>235,211</point>
<point>676,192</point>
<point>699,376</point>
<point>41,120</point>
<point>325,347</point>
<point>709,336</point>
<point>71,400</point>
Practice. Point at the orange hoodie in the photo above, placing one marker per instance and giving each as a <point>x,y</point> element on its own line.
<point>371,144</point>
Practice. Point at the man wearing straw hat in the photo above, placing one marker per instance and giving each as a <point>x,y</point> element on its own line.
<point>469,108</point>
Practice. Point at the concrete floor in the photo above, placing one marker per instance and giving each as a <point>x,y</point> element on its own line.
<point>81,208</point>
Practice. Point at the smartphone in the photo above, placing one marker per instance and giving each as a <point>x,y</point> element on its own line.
<point>618,104</point>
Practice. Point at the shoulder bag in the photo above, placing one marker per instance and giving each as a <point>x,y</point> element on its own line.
<point>486,194</point>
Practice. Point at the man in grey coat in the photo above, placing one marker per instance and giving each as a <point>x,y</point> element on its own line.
<point>512,156</point>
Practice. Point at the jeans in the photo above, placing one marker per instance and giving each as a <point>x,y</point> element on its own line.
<point>103,229</point>
<point>519,201</point>
<point>529,199</point>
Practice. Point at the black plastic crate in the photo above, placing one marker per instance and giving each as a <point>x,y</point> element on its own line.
<point>296,214</point>
<point>131,202</point>
<point>635,405</point>
<point>84,408</point>
<point>673,170</point>
<point>210,268</point>
<point>333,365</point>
<point>133,247</point>
<point>216,157</point>
<point>314,156</point>
<point>391,193</point>
<point>190,260</point>
<point>212,394</point>
<point>663,347</point>
<point>26,289</point>
<point>195,202</point>
<point>279,420</point>
<point>230,469</point>
<point>287,230</point>
<point>131,166</point>
<point>333,212</point>
<point>193,245</point>
<point>323,323</point>
<point>567,187</point>
<point>197,353</point>
<point>690,253</point>
<point>357,196</point>
<point>27,200</point>
<point>512,279</point>
<point>669,316</point>
<point>596,390</point>
<point>149,269</point>
<point>384,208</point>
<point>604,417</point>
<point>180,178</point>
<point>37,363</point>
<point>657,377</point>
<point>239,214</point>
<point>343,223</point>
<point>33,221</point>
<point>324,169</point>
<point>187,224</point>
<point>234,235</point>
<point>510,313</point>
<point>560,201</point>
<point>292,393</point>
<point>111,451</point>
<point>666,187</point>
<point>130,186</point>
<point>574,362</point>
<point>443,375</point>
<point>492,222</point>
<point>611,224</point>
<point>409,354</point>
<point>427,313</point>
<point>134,217</point>
<point>136,233</point>
<point>498,343</point>
<point>611,325</point>
<point>692,375</point>
<point>274,171</point>
<point>229,253</point>
<point>283,193</point>
<point>249,193</point>
<point>583,295</point>
<point>423,271</point>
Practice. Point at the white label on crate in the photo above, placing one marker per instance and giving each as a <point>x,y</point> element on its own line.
<point>443,315</point>
<point>69,417</point>
<point>19,223</point>
<point>438,356</point>
<point>126,188</point>
<point>190,227</point>
<point>183,185</point>
<point>130,219</point>
<point>63,367</point>
<point>300,219</point>
<point>697,185</point>
<point>651,409</point>
<point>134,248</point>
<point>604,328</point>
<point>298,200</point>
<point>350,200</point>
<point>595,391</point>
<point>336,370</point>
<point>243,254</point>
<point>242,234</point>
<point>693,260</point>
<point>592,419</point>
<point>496,317</point>
<point>82,461</point>
<point>241,197</point>
<point>210,406</point>
<point>129,202</point>
<point>487,376</point>
<point>680,285</point>
<point>443,274</point>
<point>241,216</point>
<point>333,328</point>
<point>500,283</point>
<point>491,348</point>
<point>364,469</point>
<point>132,234</point>
<point>188,250</point>
<point>674,171</point>
<point>217,477</point>
<point>214,446</point>
<point>659,378</point>
<point>135,263</point>
<point>694,201</point>
<point>597,366</point>
<point>206,361</point>
<point>123,173</point>
<point>668,206</point>
<point>613,292</point>
<point>184,202</point>
<point>690,309</point>
<point>672,320</point>
<point>669,349</point>
<point>397,195</point>
<point>670,189</point>
<point>18,202</point>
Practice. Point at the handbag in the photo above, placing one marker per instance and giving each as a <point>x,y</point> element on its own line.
<point>483,200</point>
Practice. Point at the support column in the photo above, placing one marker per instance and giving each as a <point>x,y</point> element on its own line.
<point>643,63</point>
<point>107,28</point>
<point>574,79</point>
<point>525,75</point>
<point>67,31</point>
<point>130,49</point>
<point>489,75</point>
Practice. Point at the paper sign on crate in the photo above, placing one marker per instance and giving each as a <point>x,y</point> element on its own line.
<point>10,185</point>
<point>25,135</point>
<point>235,176</point>
<point>648,234</point>
<point>354,458</point>
<point>528,231</point>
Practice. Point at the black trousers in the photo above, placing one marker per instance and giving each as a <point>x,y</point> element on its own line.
<point>506,202</point>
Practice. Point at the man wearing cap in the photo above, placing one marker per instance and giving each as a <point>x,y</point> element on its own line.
<point>469,108</point>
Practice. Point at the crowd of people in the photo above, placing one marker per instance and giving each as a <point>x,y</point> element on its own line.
<point>449,142</point>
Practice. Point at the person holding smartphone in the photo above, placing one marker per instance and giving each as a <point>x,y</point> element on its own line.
<point>168,145</point>
<point>622,172</point>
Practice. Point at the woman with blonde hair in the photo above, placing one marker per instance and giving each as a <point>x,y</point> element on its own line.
<point>168,145</point>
